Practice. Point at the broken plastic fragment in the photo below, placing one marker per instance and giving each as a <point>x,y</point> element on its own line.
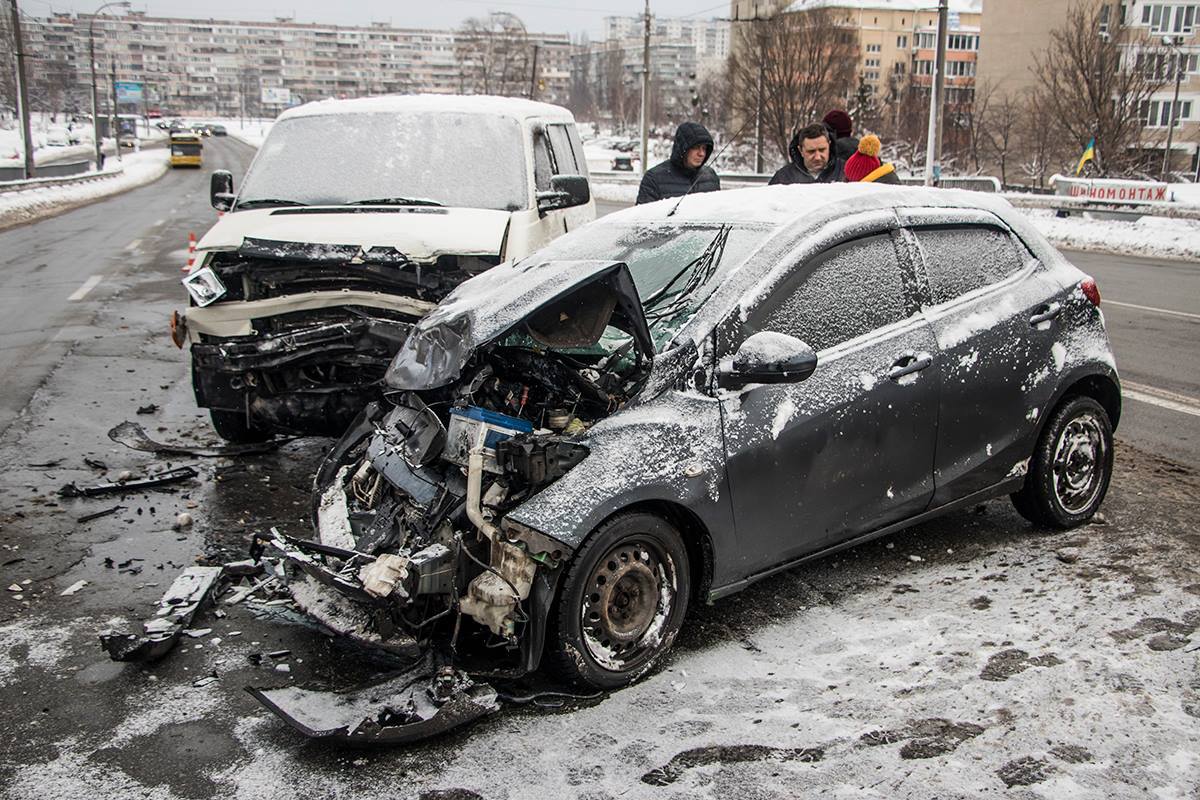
<point>175,612</point>
<point>134,436</point>
<point>73,588</point>
<point>408,707</point>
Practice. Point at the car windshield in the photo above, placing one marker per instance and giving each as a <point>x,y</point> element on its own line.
<point>448,158</point>
<point>675,266</point>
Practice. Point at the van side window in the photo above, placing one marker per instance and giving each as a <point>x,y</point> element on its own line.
<point>962,258</point>
<point>564,154</point>
<point>543,161</point>
<point>846,291</point>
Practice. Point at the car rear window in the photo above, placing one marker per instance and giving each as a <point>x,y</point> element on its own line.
<point>961,259</point>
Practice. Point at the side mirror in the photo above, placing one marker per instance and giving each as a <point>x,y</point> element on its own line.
<point>768,357</point>
<point>566,191</point>
<point>220,190</point>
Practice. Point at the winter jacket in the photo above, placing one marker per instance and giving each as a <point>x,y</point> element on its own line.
<point>886,173</point>
<point>672,178</point>
<point>845,146</point>
<point>796,173</point>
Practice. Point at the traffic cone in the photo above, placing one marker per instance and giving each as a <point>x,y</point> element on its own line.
<point>191,251</point>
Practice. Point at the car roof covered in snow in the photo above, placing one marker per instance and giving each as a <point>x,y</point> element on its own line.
<point>515,107</point>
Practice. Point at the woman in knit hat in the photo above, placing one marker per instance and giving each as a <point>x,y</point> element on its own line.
<point>865,167</point>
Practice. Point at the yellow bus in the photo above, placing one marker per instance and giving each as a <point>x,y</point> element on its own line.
<point>186,150</point>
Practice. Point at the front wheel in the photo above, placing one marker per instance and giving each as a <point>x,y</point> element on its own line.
<point>1071,467</point>
<point>623,601</point>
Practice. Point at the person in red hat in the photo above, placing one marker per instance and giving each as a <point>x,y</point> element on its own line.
<point>839,123</point>
<point>865,167</point>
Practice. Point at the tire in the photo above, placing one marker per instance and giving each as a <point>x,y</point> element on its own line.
<point>1071,466</point>
<point>622,603</point>
<point>232,426</point>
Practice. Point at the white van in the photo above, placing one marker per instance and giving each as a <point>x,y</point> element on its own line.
<point>355,218</point>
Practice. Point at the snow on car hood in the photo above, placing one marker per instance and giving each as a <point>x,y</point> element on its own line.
<point>419,232</point>
<point>493,303</point>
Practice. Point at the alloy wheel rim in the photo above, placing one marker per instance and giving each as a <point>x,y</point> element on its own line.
<point>1077,469</point>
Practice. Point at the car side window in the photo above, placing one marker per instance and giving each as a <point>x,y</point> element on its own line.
<point>963,258</point>
<point>564,156</point>
<point>844,292</point>
<point>543,161</point>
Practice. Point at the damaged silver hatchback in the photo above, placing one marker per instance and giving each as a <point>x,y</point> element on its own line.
<point>672,403</point>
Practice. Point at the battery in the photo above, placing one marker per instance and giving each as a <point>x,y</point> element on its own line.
<point>468,424</point>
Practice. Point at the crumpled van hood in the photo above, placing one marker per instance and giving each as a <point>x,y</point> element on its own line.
<point>492,304</point>
<point>419,232</point>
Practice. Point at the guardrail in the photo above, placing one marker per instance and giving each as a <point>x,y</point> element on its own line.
<point>42,183</point>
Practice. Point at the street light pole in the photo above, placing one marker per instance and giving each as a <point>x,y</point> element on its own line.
<point>1166,165</point>
<point>28,169</point>
<point>92,62</point>
<point>933,144</point>
<point>645,122</point>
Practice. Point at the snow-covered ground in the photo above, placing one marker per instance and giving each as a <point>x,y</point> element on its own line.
<point>133,170</point>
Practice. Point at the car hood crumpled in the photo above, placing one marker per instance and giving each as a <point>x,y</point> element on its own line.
<point>419,232</point>
<point>493,303</point>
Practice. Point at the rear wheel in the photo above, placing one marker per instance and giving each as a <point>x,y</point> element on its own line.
<point>1071,467</point>
<point>232,426</point>
<point>623,601</point>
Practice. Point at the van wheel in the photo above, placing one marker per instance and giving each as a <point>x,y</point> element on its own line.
<point>622,603</point>
<point>232,426</point>
<point>1071,467</point>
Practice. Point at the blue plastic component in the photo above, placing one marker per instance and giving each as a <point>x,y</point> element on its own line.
<point>494,418</point>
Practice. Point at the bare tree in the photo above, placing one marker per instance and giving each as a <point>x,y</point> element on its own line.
<point>1042,148</point>
<point>582,97</point>
<point>1088,84</point>
<point>8,69</point>
<point>494,55</point>
<point>807,63</point>
<point>1001,120</point>
<point>619,98</point>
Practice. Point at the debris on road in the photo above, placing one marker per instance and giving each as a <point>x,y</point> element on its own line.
<point>183,520</point>
<point>96,463</point>
<point>406,707</point>
<point>149,408</point>
<point>98,514</point>
<point>73,588</point>
<point>175,612</point>
<point>134,436</point>
<point>161,479</point>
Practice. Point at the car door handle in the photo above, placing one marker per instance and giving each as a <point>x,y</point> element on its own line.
<point>909,363</point>
<point>1045,313</point>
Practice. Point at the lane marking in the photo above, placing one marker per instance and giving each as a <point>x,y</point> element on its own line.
<point>1183,314</point>
<point>1161,398</point>
<point>87,286</point>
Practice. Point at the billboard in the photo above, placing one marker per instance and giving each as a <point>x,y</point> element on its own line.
<point>129,91</point>
<point>276,96</point>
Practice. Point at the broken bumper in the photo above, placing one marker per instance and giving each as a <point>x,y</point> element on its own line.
<point>237,318</point>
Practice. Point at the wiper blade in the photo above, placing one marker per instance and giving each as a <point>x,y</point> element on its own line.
<point>395,201</point>
<point>268,201</point>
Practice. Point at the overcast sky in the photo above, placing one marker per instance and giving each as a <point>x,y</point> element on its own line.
<point>539,15</point>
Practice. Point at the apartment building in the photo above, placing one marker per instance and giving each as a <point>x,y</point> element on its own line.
<point>1159,36</point>
<point>219,66</point>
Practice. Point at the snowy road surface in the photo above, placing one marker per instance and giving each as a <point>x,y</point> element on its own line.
<point>971,656</point>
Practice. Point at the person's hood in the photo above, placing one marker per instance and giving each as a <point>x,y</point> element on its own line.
<point>560,304</point>
<point>798,160</point>
<point>419,233</point>
<point>687,136</point>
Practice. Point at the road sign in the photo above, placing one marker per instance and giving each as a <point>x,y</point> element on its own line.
<point>276,96</point>
<point>129,91</point>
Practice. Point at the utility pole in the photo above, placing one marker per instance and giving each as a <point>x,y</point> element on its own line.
<point>112,125</point>
<point>1166,165</point>
<point>645,88</point>
<point>533,76</point>
<point>28,169</point>
<point>933,145</point>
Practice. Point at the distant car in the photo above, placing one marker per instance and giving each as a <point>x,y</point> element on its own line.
<point>623,163</point>
<point>216,130</point>
<point>202,130</point>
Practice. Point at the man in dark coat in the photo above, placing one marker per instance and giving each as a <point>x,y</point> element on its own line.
<point>844,142</point>
<point>674,177</point>
<point>812,157</point>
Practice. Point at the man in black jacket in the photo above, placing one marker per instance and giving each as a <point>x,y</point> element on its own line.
<point>813,159</point>
<point>674,177</point>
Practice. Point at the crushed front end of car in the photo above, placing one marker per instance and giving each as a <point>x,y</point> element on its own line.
<point>492,396</point>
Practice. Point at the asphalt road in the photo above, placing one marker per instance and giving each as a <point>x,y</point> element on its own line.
<point>55,273</point>
<point>970,656</point>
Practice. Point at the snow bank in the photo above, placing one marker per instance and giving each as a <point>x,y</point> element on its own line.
<point>1154,237</point>
<point>135,169</point>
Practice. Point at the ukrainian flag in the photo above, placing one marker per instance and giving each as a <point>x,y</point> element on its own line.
<point>1089,153</point>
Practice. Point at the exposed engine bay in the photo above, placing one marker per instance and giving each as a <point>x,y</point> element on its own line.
<point>414,550</point>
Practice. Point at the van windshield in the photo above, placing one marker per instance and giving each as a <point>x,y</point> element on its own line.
<point>435,158</point>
